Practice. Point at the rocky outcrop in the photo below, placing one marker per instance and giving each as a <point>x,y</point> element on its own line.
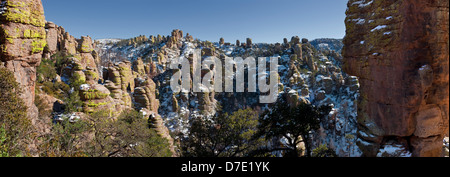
<point>66,43</point>
<point>249,43</point>
<point>22,42</point>
<point>145,95</point>
<point>399,51</point>
<point>304,40</point>
<point>222,41</point>
<point>122,77</point>
<point>295,40</point>
<point>177,34</point>
<point>95,97</point>
<point>139,67</point>
<point>298,51</point>
<point>52,38</point>
<point>158,125</point>
<point>189,38</point>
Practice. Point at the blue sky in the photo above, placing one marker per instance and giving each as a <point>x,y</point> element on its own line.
<point>262,20</point>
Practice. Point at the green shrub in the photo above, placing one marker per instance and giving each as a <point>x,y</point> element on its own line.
<point>66,139</point>
<point>43,112</point>
<point>46,74</point>
<point>292,123</point>
<point>46,70</point>
<point>73,103</point>
<point>223,136</point>
<point>323,151</point>
<point>3,145</point>
<point>128,136</point>
<point>15,125</point>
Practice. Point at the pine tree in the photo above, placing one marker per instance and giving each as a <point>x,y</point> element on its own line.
<point>14,122</point>
<point>292,123</point>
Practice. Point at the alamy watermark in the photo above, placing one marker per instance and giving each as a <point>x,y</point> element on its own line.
<point>211,75</point>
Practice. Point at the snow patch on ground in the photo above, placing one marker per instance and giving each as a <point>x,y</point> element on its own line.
<point>393,150</point>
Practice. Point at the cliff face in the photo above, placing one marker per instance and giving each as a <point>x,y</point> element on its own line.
<point>22,41</point>
<point>399,50</point>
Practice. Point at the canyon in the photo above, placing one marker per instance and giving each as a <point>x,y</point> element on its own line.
<point>386,81</point>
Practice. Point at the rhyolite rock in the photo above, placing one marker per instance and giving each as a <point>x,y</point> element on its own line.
<point>145,95</point>
<point>399,51</point>
<point>139,67</point>
<point>121,75</point>
<point>22,42</point>
<point>157,123</point>
<point>222,41</point>
<point>298,51</point>
<point>295,40</point>
<point>66,42</point>
<point>249,43</point>
<point>52,37</point>
<point>304,40</point>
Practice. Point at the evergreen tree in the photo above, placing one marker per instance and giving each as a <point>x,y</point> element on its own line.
<point>223,135</point>
<point>14,123</point>
<point>292,123</point>
<point>128,136</point>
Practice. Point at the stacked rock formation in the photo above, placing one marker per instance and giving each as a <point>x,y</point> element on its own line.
<point>139,67</point>
<point>65,42</point>
<point>22,42</point>
<point>52,39</point>
<point>145,95</point>
<point>121,77</point>
<point>298,51</point>
<point>249,43</point>
<point>95,97</point>
<point>87,54</point>
<point>295,40</point>
<point>222,41</point>
<point>158,125</point>
<point>399,50</point>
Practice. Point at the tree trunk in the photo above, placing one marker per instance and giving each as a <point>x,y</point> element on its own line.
<point>307,145</point>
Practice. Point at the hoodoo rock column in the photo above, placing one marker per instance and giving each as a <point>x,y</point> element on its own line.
<point>22,41</point>
<point>399,51</point>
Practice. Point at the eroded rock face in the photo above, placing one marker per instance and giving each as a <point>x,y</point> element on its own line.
<point>249,43</point>
<point>66,42</point>
<point>145,95</point>
<point>158,125</point>
<point>22,41</point>
<point>399,51</point>
<point>52,37</point>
